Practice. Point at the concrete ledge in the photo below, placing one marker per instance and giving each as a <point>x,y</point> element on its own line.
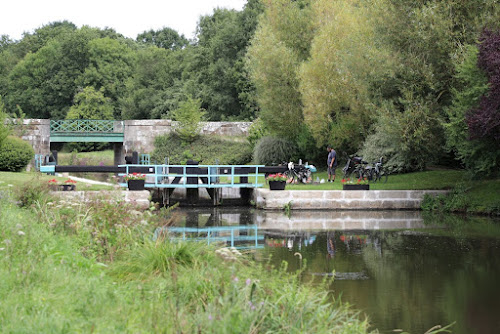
<point>340,220</point>
<point>341,199</point>
<point>138,199</point>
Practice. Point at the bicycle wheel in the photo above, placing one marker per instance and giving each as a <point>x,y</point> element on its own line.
<point>383,176</point>
<point>291,176</point>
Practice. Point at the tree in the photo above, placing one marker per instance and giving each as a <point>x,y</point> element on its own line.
<point>91,104</point>
<point>484,121</point>
<point>155,87</point>
<point>110,64</point>
<point>165,38</point>
<point>278,48</point>
<point>188,116</point>
<point>334,81</point>
<point>476,149</point>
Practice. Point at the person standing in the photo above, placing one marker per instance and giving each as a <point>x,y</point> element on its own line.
<point>331,163</point>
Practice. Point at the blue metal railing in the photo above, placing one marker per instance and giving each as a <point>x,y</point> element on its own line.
<point>145,159</point>
<point>163,174</point>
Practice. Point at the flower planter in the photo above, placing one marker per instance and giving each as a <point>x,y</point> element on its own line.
<point>135,185</point>
<point>277,185</point>
<point>67,187</point>
<point>356,187</point>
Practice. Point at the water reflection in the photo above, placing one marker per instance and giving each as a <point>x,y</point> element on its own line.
<point>402,269</point>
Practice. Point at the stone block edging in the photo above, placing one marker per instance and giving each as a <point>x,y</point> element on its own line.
<point>341,199</point>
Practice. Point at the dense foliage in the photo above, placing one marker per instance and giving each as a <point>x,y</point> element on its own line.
<point>15,154</point>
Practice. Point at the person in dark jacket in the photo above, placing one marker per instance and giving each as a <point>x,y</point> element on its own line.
<point>331,163</point>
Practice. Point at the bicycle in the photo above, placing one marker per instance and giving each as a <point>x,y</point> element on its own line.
<point>379,172</point>
<point>355,168</point>
<point>298,173</point>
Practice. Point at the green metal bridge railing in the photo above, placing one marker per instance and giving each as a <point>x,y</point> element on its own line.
<point>86,126</point>
<point>86,130</point>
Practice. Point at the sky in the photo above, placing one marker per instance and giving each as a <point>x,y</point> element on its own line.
<point>126,17</point>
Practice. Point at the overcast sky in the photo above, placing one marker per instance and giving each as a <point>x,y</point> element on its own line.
<point>127,17</point>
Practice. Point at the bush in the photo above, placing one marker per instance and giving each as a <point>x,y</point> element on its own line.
<point>206,149</point>
<point>272,151</point>
<point>15,154</point>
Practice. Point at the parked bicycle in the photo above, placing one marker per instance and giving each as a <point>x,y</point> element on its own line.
<point>299,173</point>
<point>356,168</point>
<point>379,172</point>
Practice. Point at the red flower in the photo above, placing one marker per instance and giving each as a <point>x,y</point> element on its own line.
<point>53,181</point>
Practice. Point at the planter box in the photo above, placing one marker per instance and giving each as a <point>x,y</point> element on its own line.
<point>67,187</point>
<point>356,187</point>
<point>277,185</point>
<point>135,185</point>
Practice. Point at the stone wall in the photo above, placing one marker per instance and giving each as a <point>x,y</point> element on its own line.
<point>341,200</point>
<point>37,133</point>
<point>140,134</point>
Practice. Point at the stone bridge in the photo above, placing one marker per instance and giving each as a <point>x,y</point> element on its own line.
<point>126,136</point>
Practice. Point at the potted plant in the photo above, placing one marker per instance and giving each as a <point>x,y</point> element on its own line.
<point>355,184</point>
<point>135,181</point>
<point>276,181</point>
<point>53,185</point>
<point>69,185</point>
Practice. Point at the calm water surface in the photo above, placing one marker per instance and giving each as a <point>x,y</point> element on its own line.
<point>403,270</point>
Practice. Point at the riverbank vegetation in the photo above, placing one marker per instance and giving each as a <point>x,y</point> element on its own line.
<point>72,267</point>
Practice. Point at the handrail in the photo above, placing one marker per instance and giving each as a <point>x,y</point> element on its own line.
<point>86,126</point>
<point>213,174</point>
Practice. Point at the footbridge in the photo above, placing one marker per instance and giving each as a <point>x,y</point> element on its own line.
<point>87,131</point>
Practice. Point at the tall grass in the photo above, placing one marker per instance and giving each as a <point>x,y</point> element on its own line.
<point>68,267</point>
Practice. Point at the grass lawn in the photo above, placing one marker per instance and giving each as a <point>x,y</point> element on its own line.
<point>13,181</point>
<point>98,158</point>
<point>442,179</point>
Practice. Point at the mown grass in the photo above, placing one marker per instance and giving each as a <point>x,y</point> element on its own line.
<point>67,268</point>
<point>14,181</point>
<point>97,158</point>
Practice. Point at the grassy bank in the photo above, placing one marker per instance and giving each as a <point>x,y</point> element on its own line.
<point>67,267</point>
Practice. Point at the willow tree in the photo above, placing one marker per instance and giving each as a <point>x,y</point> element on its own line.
<point>334,81</point>
<point>279,47</point>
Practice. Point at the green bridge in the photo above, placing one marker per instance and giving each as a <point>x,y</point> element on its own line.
<point>86,130</point>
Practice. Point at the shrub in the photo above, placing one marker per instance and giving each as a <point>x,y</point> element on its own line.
<point>272,150</point>
<point>15,154</point>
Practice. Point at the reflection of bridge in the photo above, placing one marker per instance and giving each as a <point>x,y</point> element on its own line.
<point>242,236</point>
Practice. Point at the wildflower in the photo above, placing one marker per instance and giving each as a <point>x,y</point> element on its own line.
<point>248,281</point>
<point>210,317</point>
<point>236,279</point>
<point>20,233</point>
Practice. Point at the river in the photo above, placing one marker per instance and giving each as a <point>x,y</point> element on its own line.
<point>404,270</point>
